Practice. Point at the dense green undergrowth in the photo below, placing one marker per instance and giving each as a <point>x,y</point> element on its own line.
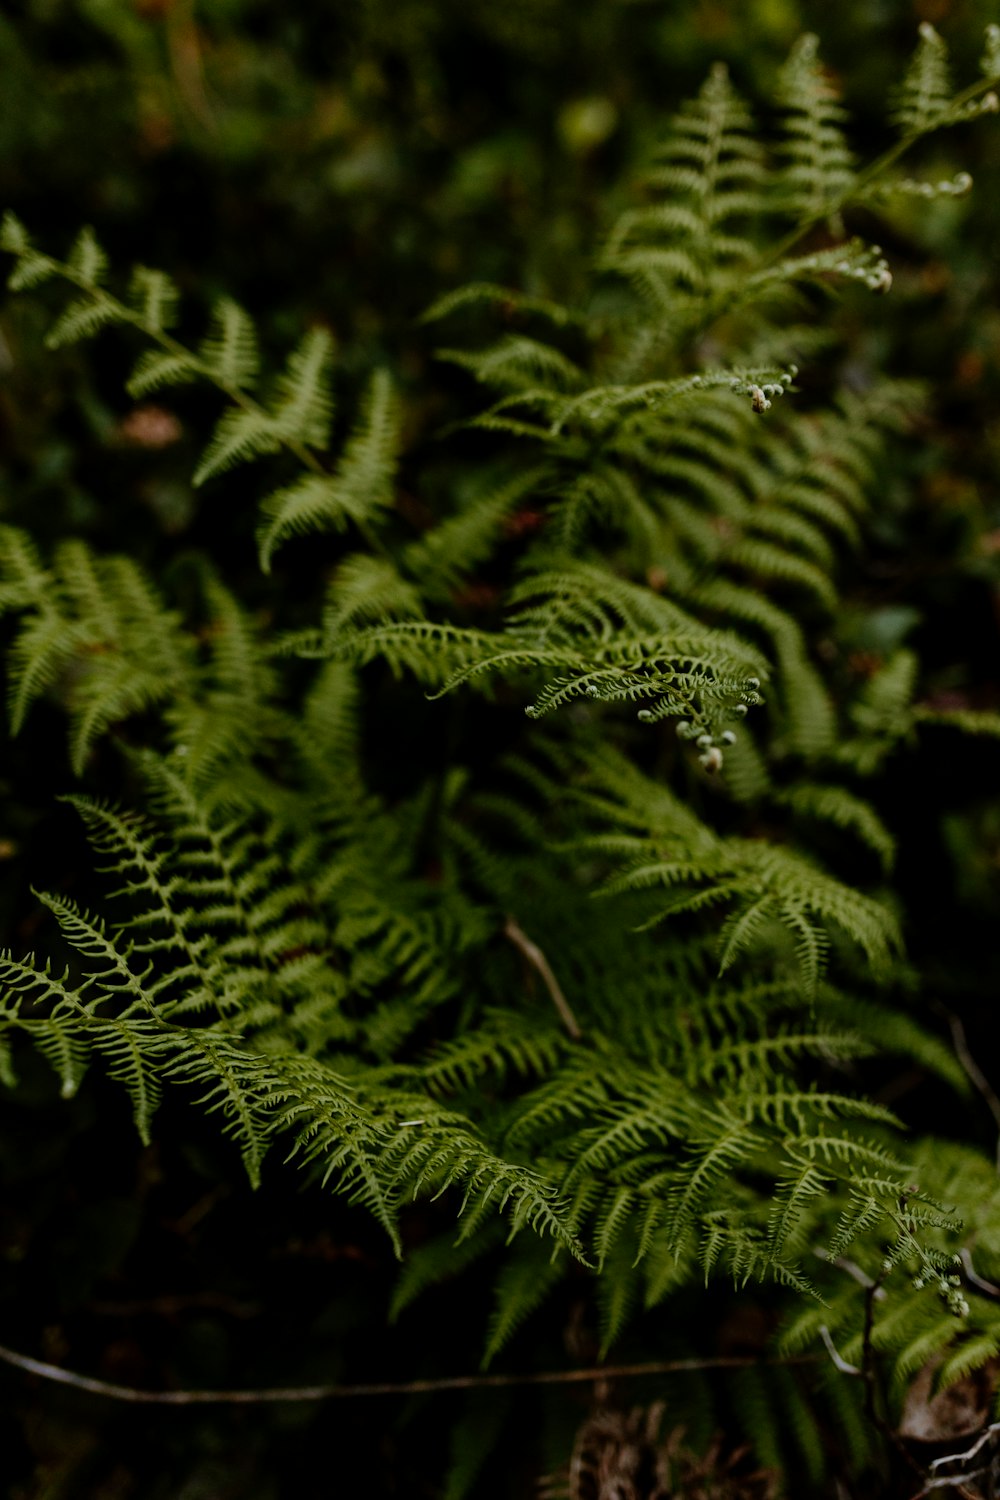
<point>506,803</point>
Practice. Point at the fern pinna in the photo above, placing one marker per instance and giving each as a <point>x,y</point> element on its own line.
<point>604,978</point>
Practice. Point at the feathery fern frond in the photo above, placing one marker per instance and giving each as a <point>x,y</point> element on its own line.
<point>361,485</point>
<point>923,99</point>
<point>712,168</point>
<point>819,170</point>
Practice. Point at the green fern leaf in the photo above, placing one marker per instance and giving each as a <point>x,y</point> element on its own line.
<point>360,487</point>
<point>82,319</point>
<point>304,405</point>
<point>229,349</point>
<point>87,260</point>
<point>153,370</point>
<point>818,172</point>
<point>32,267</point>
<point>520,1289</point>
<point>923,99</point>
<point>155,298</point>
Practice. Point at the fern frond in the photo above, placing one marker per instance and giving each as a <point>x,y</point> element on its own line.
<point>450,550</point>
<point>304,404</point>
<point>299,417</point>
<point>508,299</point>
<point>923,99</point>
<point>713,167</point>
<point>229,349</point>
<point>836,805</point>
<point>722,1146</point>
<point>87,260</point>
<point>366,589</point>
<point>82,319</point>
<point>969,721</point>
<point>518,363</point>
<point>360,487</point>
<point>520,1289</point>
<point>155,297</point>
<point>239,437</point>
<point>32,267</point>
<point>41,652</point>
<point>818,171</point>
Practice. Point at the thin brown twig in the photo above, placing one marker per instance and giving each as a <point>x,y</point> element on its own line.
<point>387,1388</point>
<point>536,958</point>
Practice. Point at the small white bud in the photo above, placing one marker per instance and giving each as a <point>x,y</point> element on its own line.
<point>712,759</point>
<point>728,737</point>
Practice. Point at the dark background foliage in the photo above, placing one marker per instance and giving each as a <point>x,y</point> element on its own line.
<point>343,164</point>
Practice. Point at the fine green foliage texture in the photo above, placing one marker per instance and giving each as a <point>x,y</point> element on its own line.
<point>602,975</point>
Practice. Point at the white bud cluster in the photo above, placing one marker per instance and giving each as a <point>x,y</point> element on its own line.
<point>949,187</point>
<point>711,756</point>
<point>758,400</point>
<point>989,104</point>
<point>856,261</point>
<point>760,394</point>
<point>948,1288</point>
<point>711,741</point>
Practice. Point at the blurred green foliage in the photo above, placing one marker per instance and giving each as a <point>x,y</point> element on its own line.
<point>341,165</point>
